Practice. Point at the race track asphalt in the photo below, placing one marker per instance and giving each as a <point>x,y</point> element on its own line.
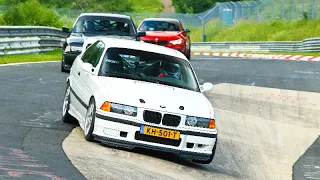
<point>293,75</point>
<point>31,131</point>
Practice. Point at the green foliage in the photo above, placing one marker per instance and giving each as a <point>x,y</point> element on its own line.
<point>42,56</point>
<point>151,6</point>
<point>115,6</point>
<point>195,6</point>
<point>154,6</point>
<point>31,13</point>
<point>107,6</point>
<point>49,3</point>
<point>2,22</point>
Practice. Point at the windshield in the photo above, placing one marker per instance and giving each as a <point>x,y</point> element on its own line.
<point>159,26</point>
<point>104,25</point>
<point>148,66</point>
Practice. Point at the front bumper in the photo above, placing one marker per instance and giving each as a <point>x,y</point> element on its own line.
<point>166,43</point>
<point>69,57</point>
<point>121,132</point>
<point>178,47</point>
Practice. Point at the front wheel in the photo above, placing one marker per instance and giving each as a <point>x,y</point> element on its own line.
<point>63,69</point>
<point>66,117</point>
<point>89,121</point>
<point>187,52</point>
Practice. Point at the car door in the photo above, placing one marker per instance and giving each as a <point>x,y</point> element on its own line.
<point>78,85</point>
<point>89,78</point>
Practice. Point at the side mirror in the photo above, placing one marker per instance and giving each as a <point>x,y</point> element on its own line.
<point>187,31</point>
<point>206,87</point>
<point>87,67</point>
<point>201,81</point>
<point>141,34</point>
<point>65,29</point>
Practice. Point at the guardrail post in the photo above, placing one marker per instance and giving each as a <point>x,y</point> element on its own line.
<point>292,10</point>
<point>203,33</point>
<point>313,11</point>
<point>282,9</point>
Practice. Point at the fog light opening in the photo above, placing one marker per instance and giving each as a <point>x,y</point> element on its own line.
<point>190,145</point>
<point>123,134</point>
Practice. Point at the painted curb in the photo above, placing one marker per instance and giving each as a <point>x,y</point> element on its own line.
<point>263,56</point>
<point>22,63</point>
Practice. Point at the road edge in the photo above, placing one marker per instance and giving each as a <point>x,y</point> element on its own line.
<point>308,165</point>
<point>263,56</point>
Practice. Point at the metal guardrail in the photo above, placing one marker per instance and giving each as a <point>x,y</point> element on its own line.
<point>306,45</point>
<point>29,39</point>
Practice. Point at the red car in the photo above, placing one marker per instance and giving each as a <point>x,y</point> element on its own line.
<point>166,32</point>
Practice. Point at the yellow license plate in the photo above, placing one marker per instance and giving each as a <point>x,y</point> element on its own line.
<point>159,132</point>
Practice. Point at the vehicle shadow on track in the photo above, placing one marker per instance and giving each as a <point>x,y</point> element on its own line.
<point>209,169</point>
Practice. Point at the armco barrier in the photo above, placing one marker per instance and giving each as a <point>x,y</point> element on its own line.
<point>29,39</point>
<point>307,45</point>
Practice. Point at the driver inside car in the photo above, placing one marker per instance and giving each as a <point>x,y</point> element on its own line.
<point>170,70</point>
<point>89,26</point>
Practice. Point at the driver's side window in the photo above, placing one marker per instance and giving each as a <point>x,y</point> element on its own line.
<point>96,54</point>
<point>86,55</point>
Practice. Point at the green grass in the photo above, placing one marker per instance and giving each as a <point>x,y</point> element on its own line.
<point>150,6</point>
<point>68,22</point>
<point>259,31</point>
<point>44,56</point>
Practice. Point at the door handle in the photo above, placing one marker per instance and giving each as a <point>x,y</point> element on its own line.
<point>78,73</point>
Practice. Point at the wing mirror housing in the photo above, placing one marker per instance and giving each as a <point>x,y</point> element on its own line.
<point>187,31</point>
<point>65,29</point>
<point>141,34</point>
<point>206,87</point>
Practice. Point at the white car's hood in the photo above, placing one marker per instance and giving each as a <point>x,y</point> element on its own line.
<point>130,92</point>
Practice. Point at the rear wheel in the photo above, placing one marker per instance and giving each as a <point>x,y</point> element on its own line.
<point>89,120</point>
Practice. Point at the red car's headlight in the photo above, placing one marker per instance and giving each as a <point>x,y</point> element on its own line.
<point>177,41</point>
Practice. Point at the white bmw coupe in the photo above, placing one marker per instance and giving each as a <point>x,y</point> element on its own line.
<point>135,94</point>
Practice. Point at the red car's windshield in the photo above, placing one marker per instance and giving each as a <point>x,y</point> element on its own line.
<point>153,25</point>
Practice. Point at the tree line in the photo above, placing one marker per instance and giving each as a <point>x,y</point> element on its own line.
<point>195,6</point>
<point>92,5</point>
<point>181,6</point>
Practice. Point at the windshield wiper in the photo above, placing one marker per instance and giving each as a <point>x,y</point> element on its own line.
<point>119,75</point>
<point>171,84</point>
<point>129,76</point>
<point>139,78</point>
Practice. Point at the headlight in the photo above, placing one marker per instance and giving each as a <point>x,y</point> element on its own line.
<point>119,108</point>
<point>68,49</point>
<point>73,48</point>
<point>200,122</point>
<point>178,41</point>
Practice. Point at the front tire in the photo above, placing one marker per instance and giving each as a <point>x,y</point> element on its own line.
<point>187,52</point>
<point>66,117</point>
<point>89,120</point>
<point>63,69</point>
